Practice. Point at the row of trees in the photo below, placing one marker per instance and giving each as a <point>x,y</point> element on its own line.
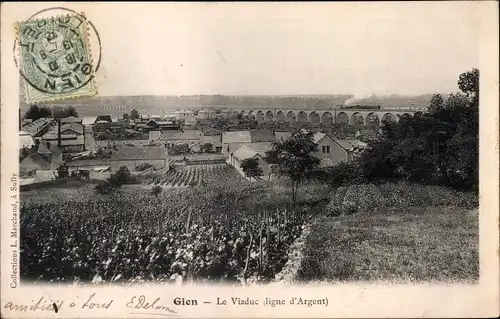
<point>36,112</point>
<point>439,147</point>
<point>133,115</point>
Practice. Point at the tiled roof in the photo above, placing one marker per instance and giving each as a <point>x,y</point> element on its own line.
<point>77,127</point>
<point>261,135</point>
<point>136,153</point>
<point>236,137</point>
<point>71,119</point>
<point>181,135</point>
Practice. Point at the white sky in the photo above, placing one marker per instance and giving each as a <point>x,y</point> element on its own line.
<point>358,48</point>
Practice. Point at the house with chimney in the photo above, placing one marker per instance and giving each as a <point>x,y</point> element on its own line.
<point>69,136</point>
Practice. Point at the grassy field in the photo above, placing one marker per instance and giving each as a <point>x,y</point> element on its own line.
<point>413,244</point>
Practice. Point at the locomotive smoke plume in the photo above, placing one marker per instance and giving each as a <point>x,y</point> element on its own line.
<point>357,97</point>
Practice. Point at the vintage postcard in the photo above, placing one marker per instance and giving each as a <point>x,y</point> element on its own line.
<point>291,160</point>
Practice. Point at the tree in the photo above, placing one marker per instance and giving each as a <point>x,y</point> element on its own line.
<point>179,149</point>
<point>251,168</point>
<point>134,114</point>
<point>119,178</point>
<point>62,172</point>
<point>71,111</point>
<point>207,148</point>
<point>156,190</point>
<point>468,82</point>
<point>295,158</point>
<point>436,103</point>
<point>126,116</point>
<point>36,112</point>
<point>438,147</point>
<point>59,112</point>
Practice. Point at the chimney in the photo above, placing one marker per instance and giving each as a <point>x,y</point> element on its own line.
<point>84,137</point>
<point>59,133</point>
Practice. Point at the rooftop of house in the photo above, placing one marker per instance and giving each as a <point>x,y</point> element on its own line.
<point>252,149</point>
<point>139,153</point>
<point>261,135</point>
<point>71,119</point>
<point>48,149</point>
<point>106,118</point>
<point>36,126</point>
<point>66,128</point>
<point>215,140</point>
<point>236,137</point>
<point>317,135</point>
<point>181,135</point>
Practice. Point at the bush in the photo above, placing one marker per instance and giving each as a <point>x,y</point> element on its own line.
<point>103,188</point>
<point>122,176</point>
<point>62,172</point>
<point>156,190</point>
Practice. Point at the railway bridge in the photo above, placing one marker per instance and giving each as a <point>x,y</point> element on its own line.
<point>363,116</point>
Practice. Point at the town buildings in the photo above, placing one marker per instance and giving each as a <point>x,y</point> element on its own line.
<point>70,136</point>
<point>43,157</point>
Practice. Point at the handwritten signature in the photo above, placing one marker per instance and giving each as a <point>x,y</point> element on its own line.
<point>141,303</point>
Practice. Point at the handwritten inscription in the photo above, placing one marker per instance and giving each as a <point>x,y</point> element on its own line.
<point>91,303</point>
<point>41,304</point>
<point>142,303</point>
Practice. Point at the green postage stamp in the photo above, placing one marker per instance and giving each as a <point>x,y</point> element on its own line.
<point>55,58</point>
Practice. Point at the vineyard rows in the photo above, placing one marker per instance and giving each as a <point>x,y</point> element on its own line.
<point>187,176</point>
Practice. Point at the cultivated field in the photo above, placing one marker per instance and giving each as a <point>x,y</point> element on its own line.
<point>189,175</point>
<point>228,230</point>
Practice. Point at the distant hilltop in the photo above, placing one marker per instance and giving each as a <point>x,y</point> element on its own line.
<point>157,103</point>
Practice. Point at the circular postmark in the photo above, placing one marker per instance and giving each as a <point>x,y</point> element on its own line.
<point>55,55</point>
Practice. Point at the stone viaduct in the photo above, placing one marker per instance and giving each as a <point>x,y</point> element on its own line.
<point>330,116</point>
